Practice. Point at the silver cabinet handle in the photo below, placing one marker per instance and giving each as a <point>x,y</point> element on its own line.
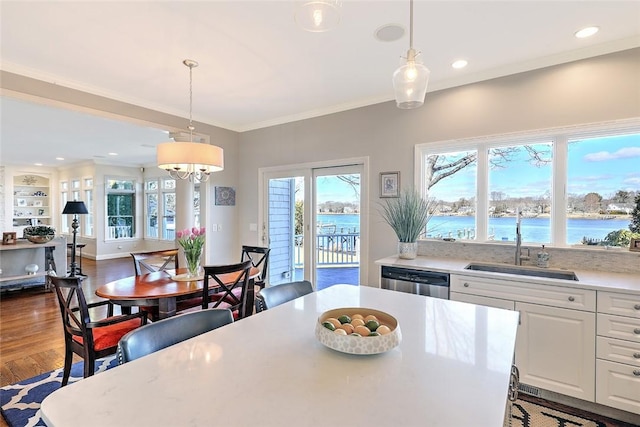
<point>637,306</point>
<point>636,355</point>
<point>572,299</point>
<point>466,285</point>
<point>636,331</point>
<point>636,372</point>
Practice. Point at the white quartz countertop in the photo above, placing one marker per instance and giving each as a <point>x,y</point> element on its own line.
<point>451,369</point>
<point>587,279</point>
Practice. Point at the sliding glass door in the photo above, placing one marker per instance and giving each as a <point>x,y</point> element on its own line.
<point>312,224</point>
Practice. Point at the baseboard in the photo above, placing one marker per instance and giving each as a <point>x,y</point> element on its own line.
<point>596,408</point>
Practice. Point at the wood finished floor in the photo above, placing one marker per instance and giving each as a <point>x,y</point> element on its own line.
<point>31,337</point>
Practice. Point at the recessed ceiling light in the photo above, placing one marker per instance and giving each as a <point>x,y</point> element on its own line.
<point>38,164</point>
<point>113,154</point>
<point>586,32</point>
<point>460,63</point>
<point>389,32</point>
<point>59,158</point>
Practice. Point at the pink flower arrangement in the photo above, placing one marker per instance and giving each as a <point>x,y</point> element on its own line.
<point>192,241</point>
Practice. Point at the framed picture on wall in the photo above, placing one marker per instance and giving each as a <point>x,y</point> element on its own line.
<point>225,196</point>
<point>389,184</point>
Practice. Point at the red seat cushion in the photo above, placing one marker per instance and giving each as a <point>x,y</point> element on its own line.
<point>108,336</point>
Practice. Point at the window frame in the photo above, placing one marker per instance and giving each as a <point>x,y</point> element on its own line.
<point>160,191</point>
<point>559,138</point>
<point>110,191</point>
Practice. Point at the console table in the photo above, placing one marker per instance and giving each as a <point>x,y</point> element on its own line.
<point>14,258</point>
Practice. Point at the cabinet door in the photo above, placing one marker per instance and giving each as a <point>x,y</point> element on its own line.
<point>555,349</point>
<point>618,386</point>
<point>486,301</point>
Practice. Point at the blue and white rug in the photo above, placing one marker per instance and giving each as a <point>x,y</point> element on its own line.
<point>20,402</point>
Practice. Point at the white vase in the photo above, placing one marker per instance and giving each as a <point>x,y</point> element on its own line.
<point>407,250</point>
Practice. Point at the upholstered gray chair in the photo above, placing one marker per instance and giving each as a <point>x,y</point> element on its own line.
<point>279,294</point>
<point>164,333</point>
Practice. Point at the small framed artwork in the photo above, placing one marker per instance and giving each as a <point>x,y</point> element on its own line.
<point>389,184</point>
<point>9,238</point>
<point>21,202</point>
<point>225,196</point>
<point>634,246</point>
<point>37,203</point>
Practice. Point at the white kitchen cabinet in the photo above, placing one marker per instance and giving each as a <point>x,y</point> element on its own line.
<point>555,349</point>
<point>618,351</point>
<point>556,346</point>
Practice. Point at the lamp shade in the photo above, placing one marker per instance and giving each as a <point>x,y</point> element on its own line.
<point>190,157</point>
<point>410,82</point>
<point>75,207</point>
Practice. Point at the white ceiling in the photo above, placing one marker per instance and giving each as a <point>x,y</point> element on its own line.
<point>257,68</point>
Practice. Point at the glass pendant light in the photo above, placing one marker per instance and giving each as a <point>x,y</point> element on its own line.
<point>411,78</point>
<point>318,16</point>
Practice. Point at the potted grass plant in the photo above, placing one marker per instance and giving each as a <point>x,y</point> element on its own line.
<point>408,215</point>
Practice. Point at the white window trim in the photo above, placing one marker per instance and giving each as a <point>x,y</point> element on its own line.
<point>559,136</point>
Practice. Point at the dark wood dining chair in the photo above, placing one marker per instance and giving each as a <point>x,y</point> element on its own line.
<point>279,294</point>
<point>231,294</point>
<point>147,262</point>
<point>156,336</point>
<point>259,257</point>
<point>89,339</point>
<point>161,260</point>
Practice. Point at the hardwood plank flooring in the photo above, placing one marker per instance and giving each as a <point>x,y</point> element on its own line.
<point>31,337</point>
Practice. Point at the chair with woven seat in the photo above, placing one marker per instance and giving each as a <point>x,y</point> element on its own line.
<point>259,257</point>
<point>89,339</point>
<point>279,294</point>
<point>167,332</point>
<point>230,284</point>
<point>147,262</point>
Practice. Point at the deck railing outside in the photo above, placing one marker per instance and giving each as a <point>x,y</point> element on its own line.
<point>332,249</point>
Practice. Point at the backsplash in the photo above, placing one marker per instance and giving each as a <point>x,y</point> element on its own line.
<point>600,259</point>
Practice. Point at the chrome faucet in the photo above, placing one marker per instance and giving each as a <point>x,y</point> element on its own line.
<point>519,256</point>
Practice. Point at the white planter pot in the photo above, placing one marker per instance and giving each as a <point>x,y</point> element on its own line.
<point>407,250</point>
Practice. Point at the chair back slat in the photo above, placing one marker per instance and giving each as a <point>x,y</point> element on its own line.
<point>148,262</point>
<point>228,294</point>
<point>259,257</point>
<point>73,307</point>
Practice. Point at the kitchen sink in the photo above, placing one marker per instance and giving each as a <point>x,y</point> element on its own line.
<point>525,271</point>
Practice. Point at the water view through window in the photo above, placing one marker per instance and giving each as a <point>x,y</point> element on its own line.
<point>602,183</point>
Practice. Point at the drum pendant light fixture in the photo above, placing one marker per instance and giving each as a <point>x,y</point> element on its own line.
<point>190,160</point>
<point>410,79</point>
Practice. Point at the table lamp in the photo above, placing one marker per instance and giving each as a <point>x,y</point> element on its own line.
<point>74,208</point>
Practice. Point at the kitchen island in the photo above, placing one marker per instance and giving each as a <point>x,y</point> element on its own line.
<point>452,368</point>
<point>15,257</point>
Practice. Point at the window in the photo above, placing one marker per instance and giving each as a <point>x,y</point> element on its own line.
<point>87,220</point>
<point>160,208</point>
<point>559,181</point>
<point>120,215</point>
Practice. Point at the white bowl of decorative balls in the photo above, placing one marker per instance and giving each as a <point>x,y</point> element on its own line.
<point>358,330</point>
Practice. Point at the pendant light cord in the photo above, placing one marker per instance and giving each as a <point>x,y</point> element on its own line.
<point>410,24</point>
<point>191,128</point>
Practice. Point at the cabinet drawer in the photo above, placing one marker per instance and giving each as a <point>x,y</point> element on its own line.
<point>616,350</point>
<point>555,296</point>
<point>624,328</point>
<point>486,301</point>
<point>618,385</point>
<point>620,304</point>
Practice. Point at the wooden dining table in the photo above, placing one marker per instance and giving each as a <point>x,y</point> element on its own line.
<point>451,369</point>
<point>163,289</point>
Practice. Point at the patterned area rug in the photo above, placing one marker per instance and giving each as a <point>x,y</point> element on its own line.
<point>529,411</point>
<point>20,403</point>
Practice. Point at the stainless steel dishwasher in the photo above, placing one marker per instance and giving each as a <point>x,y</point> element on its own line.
<point>428,283</point>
